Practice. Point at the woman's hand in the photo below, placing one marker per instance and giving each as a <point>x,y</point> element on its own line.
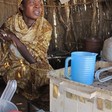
<point>6,35</point>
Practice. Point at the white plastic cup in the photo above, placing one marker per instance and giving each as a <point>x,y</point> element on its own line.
<point>7,106</point>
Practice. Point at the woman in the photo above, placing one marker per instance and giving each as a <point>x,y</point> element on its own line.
<point>25,40</point>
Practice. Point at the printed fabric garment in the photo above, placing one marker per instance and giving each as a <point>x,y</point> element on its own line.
<point>13,66</point>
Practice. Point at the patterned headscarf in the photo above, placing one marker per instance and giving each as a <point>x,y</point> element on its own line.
<point>19,2</point>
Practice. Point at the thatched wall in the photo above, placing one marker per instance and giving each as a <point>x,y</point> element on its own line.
<point>77,20</point>
<point>7,8</point>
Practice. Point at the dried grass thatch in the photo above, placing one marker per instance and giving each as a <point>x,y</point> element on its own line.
<point>77,20</point>
<point>7,8</point>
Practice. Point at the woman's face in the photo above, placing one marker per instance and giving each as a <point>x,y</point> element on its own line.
<point>32,9</point>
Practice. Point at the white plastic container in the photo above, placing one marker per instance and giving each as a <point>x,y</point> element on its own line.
<point>69,96</point>
<point>7,106</point>
<point>5,100</point>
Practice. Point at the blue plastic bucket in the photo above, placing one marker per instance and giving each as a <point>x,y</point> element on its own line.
<point>82,67</point>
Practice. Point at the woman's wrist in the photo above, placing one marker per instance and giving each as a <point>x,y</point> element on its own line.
<point>4,34</point>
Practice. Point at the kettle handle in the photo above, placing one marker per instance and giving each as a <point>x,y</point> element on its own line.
<point>98,73</point>
<point>66,67</point>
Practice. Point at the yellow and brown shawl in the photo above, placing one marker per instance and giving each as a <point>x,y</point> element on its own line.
<point>36,38</point>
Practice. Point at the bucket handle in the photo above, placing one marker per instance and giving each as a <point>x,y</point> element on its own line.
<point>98,73</point>
<point>66,67</point>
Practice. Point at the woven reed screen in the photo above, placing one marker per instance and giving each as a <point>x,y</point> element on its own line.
<point>77,20</point>
<point>7,8</point>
